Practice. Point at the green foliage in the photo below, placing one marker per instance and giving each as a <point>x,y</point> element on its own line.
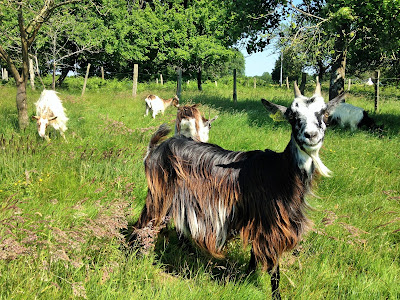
<point>292,67</point>
<point>63,206</point>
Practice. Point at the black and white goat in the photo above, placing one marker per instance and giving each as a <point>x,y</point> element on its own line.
<point>212,193</point>
<point>157,104</point>
<point>50,111</point>
<point>191,124</point>
<point>352,116</point>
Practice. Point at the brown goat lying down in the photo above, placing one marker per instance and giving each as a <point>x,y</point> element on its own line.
<point>212,193</point>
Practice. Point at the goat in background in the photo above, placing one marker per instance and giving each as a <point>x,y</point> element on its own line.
<point>50,111</point>
<point>157,104</point>
<point>212,193</point>
<point>191,124</point>
<point>355,117</point>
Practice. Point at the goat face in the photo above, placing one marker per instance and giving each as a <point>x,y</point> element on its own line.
<point>205,129</point>
<point>306,116</point>
<point>42,124</point>
<point>175,101</point>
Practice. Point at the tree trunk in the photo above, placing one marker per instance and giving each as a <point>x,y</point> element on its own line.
<point>199,86</point>
<point>22,105</point>
<point>61,78</point>
<point>321,70</point>
<point>53,83</point>
<point>303,82</point>
<point>336,85</point>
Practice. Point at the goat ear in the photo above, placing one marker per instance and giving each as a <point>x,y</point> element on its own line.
<point>335,102</point>
<point>35,117</point>
<point>273,108</point>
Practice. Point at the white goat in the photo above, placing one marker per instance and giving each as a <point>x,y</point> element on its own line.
<point>191,124</point>
<point>157,104</point>
<point>50,111</point>
<point>355,117</point>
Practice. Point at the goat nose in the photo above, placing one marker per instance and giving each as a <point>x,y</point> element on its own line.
<point>311,135</point>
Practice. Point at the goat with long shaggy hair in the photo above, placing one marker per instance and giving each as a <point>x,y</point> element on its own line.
<point>212,193</point>
<point>191,124</point>
<point>50,111</point>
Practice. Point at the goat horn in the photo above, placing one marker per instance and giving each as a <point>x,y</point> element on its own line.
<point>297,92</point>
<point>318,89</point>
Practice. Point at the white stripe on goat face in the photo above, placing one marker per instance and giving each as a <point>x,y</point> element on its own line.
<point>42,125</point>
<point>306,118</point>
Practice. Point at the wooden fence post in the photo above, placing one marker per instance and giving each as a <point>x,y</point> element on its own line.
<point>255,82</point>
<point>102,73</point>
<point>4,74</point>
<point>157,81</point>
<point>161,80</point>
<point>349,85</point>
<point>86,77</point>
<point>31,74</point>
<point>287,82</point>
<point>234,87</point>
<point>135,79</point>
<point>179,83</point>
<point>376,83</point>
<point>38,71</point>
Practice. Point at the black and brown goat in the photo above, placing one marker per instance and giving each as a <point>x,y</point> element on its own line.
<point>190,123</point>
<point>211,192</point>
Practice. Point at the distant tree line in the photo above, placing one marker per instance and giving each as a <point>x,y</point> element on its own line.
<point>200,37</point>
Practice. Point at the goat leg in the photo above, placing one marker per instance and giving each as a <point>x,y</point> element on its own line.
<point>275,277</point>
<point>252,263</point>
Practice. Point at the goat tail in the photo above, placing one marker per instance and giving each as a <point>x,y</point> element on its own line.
<point>158,136</point>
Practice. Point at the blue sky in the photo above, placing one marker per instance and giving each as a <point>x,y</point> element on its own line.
<point>258,63</point>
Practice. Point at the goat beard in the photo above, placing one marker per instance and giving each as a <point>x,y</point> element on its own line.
<point>321,168</point>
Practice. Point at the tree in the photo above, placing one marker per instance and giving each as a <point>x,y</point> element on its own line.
<point>292,66</point>
<point>68,33</point>
<point>356,29</point>
<point>14,52</point>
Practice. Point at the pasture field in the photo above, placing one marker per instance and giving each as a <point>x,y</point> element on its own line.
<point>65,208</point>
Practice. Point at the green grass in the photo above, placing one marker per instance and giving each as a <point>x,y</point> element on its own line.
<point>64,206</point>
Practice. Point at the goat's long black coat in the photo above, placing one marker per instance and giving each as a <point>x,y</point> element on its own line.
<point>211,193</point>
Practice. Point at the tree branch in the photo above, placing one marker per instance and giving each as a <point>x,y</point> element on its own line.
<point>306,13</point>
<point>48,7</point>
<point>10,64</point>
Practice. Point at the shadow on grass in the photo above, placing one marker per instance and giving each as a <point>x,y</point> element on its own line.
<point>259,117</point>
<point>179,256</point>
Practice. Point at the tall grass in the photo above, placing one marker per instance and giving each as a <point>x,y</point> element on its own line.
<point>65,206</point>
